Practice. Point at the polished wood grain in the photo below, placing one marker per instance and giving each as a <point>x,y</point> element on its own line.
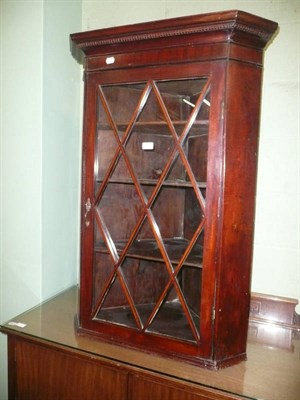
<point>274,309</point>
<point>47,373</point>
<point>221,25</point>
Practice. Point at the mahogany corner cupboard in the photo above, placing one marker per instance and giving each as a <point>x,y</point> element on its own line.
<point>170,138</point>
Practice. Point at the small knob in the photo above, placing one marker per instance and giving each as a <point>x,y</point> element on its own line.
<point>88,207</point>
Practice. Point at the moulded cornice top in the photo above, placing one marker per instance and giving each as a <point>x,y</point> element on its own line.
<point>232,22</point>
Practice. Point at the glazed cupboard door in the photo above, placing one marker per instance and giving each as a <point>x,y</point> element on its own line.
<point>144,217</point>
<point>149,205</point>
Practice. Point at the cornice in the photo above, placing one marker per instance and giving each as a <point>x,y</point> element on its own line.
<point>236,26</point>
<point>229,26</point>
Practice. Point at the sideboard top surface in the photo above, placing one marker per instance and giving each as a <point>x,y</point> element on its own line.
<point>271,372</point>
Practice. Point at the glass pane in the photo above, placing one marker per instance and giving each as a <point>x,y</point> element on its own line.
<point>190,279</point>
<point>144,281</point>
<point>195,256</point>
<point>178,215</point>
<point>115,307</point>
<point>120,208</point>
<point>126,95</point>
<point>171,320</point>
<point>103,270</point>
<point>148,153</point>
<point>180,98</point>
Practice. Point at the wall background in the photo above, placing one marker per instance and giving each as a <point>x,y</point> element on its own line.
<point>40,129</point>
<point>40,155</point>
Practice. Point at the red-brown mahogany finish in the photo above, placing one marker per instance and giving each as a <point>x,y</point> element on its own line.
<point>170,140</point>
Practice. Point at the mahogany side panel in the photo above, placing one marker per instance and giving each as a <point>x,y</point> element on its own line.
<point>236,227</point>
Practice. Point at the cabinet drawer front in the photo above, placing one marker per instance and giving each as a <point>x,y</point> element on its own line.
<point>46,374</point>
<point>162,389</point>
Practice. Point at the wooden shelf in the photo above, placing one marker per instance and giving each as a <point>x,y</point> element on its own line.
<point>148,250</point>
<point>170,320</point>
<point>153,182</point>
<point>160,126</point>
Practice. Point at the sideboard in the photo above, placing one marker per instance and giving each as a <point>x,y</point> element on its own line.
<point>48,359</point>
